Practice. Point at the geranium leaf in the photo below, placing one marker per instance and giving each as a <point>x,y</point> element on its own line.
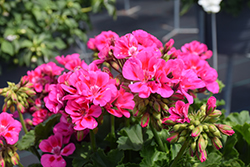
<point>229,151</point>
<point>132,139</point>
<point>100,159</point>
<point>43,130</point>
<point>152,157</point>
<point>233,163</point>
<point>81,154</point>
<point>27,141</point>
<point>238,118</point>
<point>244,131</point>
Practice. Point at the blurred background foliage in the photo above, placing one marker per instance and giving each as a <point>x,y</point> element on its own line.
<point>34,31</point>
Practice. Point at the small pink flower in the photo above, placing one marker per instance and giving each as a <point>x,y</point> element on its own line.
<point>105,38</point>
<point>54,145</point>
<point>9,128</point>
<point>70,61</point>
<point>39,116</point>
<point>91,44</point>
<point>179,113</point>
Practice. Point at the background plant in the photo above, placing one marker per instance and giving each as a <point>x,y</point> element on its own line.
<point>31,32</point>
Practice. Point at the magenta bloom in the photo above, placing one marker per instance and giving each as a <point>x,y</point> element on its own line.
<point>211,104</point>
<point>141,69</point>
<point>70,61</point>
<point>104,39</point>
<point>54,145</point>
<point>126,46</point>
<point>39,116</point>
<point>83,115</point>
<point>9,128</point>
<point>179,113</point>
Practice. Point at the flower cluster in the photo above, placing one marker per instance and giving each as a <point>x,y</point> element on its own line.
<point>155,83</point>
<point>197,127</point>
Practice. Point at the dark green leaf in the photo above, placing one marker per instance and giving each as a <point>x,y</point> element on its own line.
<point>235,162</point>
<point>229,151</point>
<point>35,165</point>
<point>7,47</point>
<point>151,155</point>
<point>238,118</point>
<point>81,155</point>
<point>129,165</point>
<point>59,43</point>
<point>244,131</point>
<point>100,159</point>
<point>27,141</point>
<point>132,139</point>
<point>43,130</point>
<point>174,149</point>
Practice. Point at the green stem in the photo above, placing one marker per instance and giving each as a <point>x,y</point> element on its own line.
<point>92,140</point>
<point>127,121</point>
<point>180,153</point>
<point>22,122</point>
<point>112,121</point>
<point>33,148</point>
<point>157,138</point>
<point>19,164</point>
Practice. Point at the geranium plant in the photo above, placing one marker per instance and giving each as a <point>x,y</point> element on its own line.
<point>135,105</point>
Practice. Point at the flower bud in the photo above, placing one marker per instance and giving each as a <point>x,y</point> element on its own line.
<point>202,156</point>
<point>193,147</point>
<point>157,115</point>
<point>211,105</point>
<point>164,106</point>
<point>167,121</point>
<point>225,129</point>
<point>196,131</point>
<point>212,128</point>
<point>215,113</point>
<point>20,107</point>
<point>145,119</point>
<point>184,132</point>
<point>15,159</point>
<point>173,137</point>
<point>201,144</point>
<point>217,143</point>
<point>196,123</point>
<point>181,139</point>
<point>2,162</point>
<point>205,128</point>
<point>14,97</point>
<point>217,133</point>
<point>141,105</point>
<point>191,127</point>
<point>157,106</point>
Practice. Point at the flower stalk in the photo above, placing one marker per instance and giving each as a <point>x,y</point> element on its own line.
<point>181,152</point>
<point>92,140</point>
<point>157,137</point>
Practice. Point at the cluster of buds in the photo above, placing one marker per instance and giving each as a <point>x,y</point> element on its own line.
<point>200,127</point>
<point>17,95</point>
<point>8,155</point>
<point>151,109</point>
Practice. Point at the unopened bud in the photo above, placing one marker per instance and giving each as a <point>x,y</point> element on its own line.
<point>211,105</point>
<point>217,143</point>
<point>12,109</point>
<point>20,107</point>
<point>196,131</point>
<point>181,139</point>
<point>14,97</point>
<point>173,137</point>
<point>145,120</point>
<point>14,160</point>
<point>215,113</point>
<point>183,133</point>
<point>196,123</point>
<point>201,144</point>
<point>166,101</point>
<point>164,106</point>
<point>212,128</point>
<point>167,121</point>
<point>141,105</point>
<point>225,129</point>
<point>191,127</point>
<point>157,106</point>
<point>205,128</point>
<point>157,115</point>
<point>217,134</point>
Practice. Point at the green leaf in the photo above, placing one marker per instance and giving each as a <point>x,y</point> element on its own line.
<point>27,141</point>
<point>128,165</point>
<point>25,44</point>
<point>174,149</point>
<point>59,44</point>
<point>238,118</point>
<point>81,154</point>
<point>244,131</point>
<point>151,156</point>
<point>35,165</point>
<point>7,47</point>
<point>100,159</point>
<point>213,159</point>
<point>44,130</point>
<point>235,162</point>
<point>132,138</point>
<point>229,151</point>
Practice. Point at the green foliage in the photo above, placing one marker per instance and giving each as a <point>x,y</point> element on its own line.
<point>33,31</point>
<point>131,138</point>
<point>27,141</point>
<point>43,130</point>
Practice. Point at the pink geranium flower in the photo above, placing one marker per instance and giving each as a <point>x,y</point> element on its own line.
<point>82,115</point>
<point>126,46</point>
<point>54,145</point>
<point>9,128</point>
<point>142,69</point>
<point>39,116</point>
<point>179,113</point>
<point>104,39</point>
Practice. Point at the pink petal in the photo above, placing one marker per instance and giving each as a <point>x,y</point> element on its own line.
<point>45,146</point>
<point>132,69</point>
<point>89,122</point>
<point>68,150</point>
